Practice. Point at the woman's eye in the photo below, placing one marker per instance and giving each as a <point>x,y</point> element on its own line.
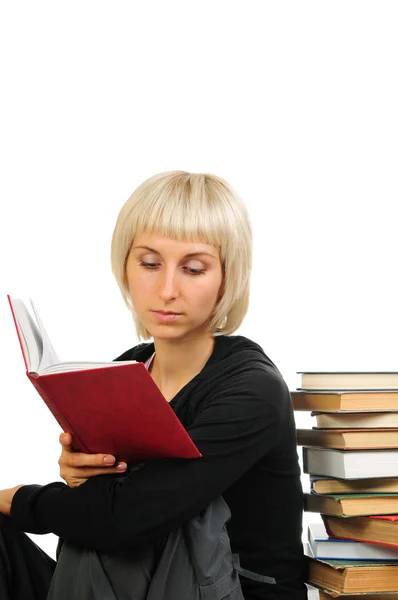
<point>189,270</point>
<point>149,265</point>
<point>195,271</point>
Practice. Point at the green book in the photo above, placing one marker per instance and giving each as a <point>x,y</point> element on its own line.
<point>350,505</point>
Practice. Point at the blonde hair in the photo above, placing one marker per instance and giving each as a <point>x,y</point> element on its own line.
<point>190,207</point>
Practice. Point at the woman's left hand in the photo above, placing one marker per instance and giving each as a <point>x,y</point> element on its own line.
<point>6,497</point>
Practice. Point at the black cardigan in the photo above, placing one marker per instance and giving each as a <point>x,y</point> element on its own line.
<point>238,412</point>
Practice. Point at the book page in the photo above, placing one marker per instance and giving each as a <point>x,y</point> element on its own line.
<point>30,335</point>
<point>49,356</point>
<point>83,366</point>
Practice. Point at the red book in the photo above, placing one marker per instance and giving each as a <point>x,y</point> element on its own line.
<point>114,408</point>
<point>375,529</point>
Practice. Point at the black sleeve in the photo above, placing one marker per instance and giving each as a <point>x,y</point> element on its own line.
<point>239,424</point>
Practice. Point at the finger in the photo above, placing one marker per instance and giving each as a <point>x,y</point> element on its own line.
<point>122,466</point>
<point>81,459</point>
<point>92,472</point>
<point>65,439</point>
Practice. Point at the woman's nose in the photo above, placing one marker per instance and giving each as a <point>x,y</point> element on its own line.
<point>168,285</point>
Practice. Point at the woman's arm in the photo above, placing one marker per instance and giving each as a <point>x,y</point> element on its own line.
<point>6,497</point>
<point>239,425</point>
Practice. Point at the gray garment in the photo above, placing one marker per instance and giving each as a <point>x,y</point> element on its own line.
<point>196,562</point>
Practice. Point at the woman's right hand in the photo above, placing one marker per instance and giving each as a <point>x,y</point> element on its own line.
<point>77,467</point>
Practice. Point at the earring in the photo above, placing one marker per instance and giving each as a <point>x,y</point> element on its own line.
<point>223,323</point>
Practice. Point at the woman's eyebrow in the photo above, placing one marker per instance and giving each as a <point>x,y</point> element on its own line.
<point>186,256</point>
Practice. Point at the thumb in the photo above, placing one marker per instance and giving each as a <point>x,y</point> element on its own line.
<point>65,439</point>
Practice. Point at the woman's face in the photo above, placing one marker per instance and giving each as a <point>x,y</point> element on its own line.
<point>184,278</point>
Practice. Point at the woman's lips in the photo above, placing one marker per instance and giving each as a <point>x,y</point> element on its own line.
<point>165,317</point>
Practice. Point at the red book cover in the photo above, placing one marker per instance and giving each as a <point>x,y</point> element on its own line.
<point>117,410</point>
<point>385,517</point>
<point>342,537</point>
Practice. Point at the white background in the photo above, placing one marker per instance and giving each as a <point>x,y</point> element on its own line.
<point>293,102</point>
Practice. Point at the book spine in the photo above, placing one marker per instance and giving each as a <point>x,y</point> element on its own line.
<point>328,530</point>
<point>38,383</point>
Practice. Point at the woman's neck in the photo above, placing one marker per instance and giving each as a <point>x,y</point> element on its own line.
<point>177,362</point>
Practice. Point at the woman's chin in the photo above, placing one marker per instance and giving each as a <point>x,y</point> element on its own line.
<point>162,332</point>
<point>178,334</point>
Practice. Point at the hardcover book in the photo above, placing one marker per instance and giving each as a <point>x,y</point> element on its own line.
<point>348,439</point>
<point>329,594</point>
<point>109,407</point>
<point>327,485</point>
<point>345,400</point>
<point>350,464</point>
<point>356,420</point>
<point>373,529</point>
<point>353,577</point>
<point>347,505</point>
<point>349,380</point>
<point>325,547</point>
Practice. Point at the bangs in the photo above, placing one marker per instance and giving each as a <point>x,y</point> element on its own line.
<point>185,208</point>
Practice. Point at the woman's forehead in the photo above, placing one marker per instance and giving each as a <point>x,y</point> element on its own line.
<point>159,243</point>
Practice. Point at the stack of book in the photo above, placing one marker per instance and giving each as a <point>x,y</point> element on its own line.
<point>351,455</point>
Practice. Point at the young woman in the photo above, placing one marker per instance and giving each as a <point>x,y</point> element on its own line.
<point>182,255</point>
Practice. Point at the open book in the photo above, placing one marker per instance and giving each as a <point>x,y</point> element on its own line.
<point>37,349</point>
<point>110,407</point>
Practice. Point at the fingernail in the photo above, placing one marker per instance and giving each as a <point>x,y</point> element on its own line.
<point>109,460</point>
<point>121,466</point>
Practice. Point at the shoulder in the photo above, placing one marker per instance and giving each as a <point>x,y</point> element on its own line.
<point>256,385</point>
<point>237,358</point>
<point>240,368</point>
<point>237,349</point>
